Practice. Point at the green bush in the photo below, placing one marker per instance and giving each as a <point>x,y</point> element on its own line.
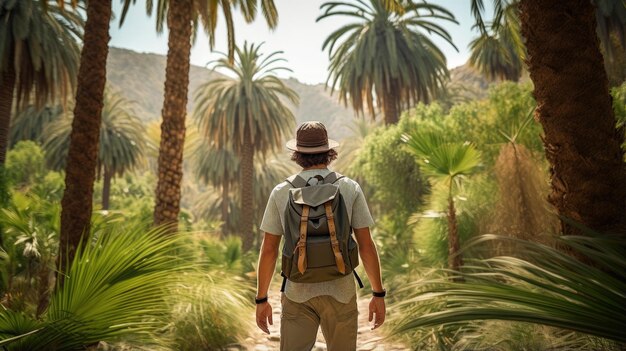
<point>25,164</point>
<point>208,312</point>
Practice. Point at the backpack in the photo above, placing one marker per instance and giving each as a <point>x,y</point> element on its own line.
<point>319,245</point>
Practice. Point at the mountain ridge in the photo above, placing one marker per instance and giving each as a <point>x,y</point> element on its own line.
<point>140,76</point>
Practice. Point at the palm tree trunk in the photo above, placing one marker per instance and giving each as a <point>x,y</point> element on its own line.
<point>6,106</point>
<point>174,109</point>
<point>83,150</point>
<point>574,108</point>
<point>455,261</point>
<point>106,188</point>
<point>247,195</point>
<point>225,205</point>
<point>390,110</point>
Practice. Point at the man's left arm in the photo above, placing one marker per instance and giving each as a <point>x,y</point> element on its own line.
<point>265,270</point>
<point>371,263</point>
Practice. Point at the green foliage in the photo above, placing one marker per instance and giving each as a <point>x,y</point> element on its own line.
<point>488,123</point>
<point>619,107</point>
<point>514,336</point>
<point>30,243</point>
<point>390,169</point>
<point>25,164</point>
<point>384,55</point>
<point>209,312</point>
<point>41,46</point>
<point>132,195</point>
<point>550,288</point>
<point>116,287</point>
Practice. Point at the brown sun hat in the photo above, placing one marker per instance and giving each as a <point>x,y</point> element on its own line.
<point>311,138</point>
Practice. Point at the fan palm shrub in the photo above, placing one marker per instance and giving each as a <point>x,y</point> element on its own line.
<point>383,56</point>
<point>447,163</point>
<point>549,287</point>
<point>115,288</point>
<point>246,112</point>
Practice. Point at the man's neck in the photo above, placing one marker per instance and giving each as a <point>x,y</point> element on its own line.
<point>321,166</point>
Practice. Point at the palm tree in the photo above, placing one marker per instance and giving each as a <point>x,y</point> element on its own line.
<point>38,57</point>
<point>574,109</point>
<point>384,56</point>
<point>181,16</point>
<point>121,141</point>
<point>219,167</point>
<point>82,156</point>
<point>248,114</point>
<point>447,163</point>
<point>499,53</point>
<point>30,123</point>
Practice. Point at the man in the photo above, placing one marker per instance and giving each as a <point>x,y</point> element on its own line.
<point>331,304</point>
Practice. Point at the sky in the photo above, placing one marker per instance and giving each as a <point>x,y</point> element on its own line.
<point>297,35</point>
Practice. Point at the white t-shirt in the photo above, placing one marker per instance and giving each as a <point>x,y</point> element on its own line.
<point>342,289</point>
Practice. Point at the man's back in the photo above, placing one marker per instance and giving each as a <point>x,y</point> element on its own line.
<point>342,289</point>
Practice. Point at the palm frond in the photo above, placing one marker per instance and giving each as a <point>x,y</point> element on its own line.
<point>384,54</point>
<point>549,287</point>
<point>41,45</point>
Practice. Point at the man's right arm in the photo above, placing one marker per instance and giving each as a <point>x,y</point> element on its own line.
<point>265,270</point>
<point>267,263</point>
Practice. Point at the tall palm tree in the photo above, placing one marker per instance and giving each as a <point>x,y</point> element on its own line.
<point>39,54</point>
<point>182,16</point>
<point>383,56</point>
<point>447,163</point>
<point>574,109</point>
<point>121,141</point>
<point>82,156</point>
<point>499,53</point>
<point>248,114</point>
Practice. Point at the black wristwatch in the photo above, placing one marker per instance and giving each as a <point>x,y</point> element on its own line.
<point>379,293</point>
<point>261,300</point>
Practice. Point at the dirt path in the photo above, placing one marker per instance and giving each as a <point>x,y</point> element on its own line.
<point>368,340</point>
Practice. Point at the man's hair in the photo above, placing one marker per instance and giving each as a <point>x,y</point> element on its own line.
<point>309,160</point>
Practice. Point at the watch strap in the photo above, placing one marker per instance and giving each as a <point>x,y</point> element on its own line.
<point>379,293</point>
<point>259,301</point>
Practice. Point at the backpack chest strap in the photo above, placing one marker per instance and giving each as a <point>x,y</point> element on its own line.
<point>301,246</point>
<point>341,265</point>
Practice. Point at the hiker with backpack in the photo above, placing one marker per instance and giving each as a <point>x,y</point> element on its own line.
<point>316,211</point>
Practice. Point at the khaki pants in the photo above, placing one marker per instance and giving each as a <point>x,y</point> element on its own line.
<point>299,323</point>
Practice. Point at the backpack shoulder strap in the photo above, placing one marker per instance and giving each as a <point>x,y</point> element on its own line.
<point>332,178</point>
<point>296,181</point>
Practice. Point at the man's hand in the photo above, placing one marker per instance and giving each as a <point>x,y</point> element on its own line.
<point>377,307</point>
<point>264,315</point>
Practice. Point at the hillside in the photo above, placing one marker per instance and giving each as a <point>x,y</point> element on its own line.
<point>141,76</point>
